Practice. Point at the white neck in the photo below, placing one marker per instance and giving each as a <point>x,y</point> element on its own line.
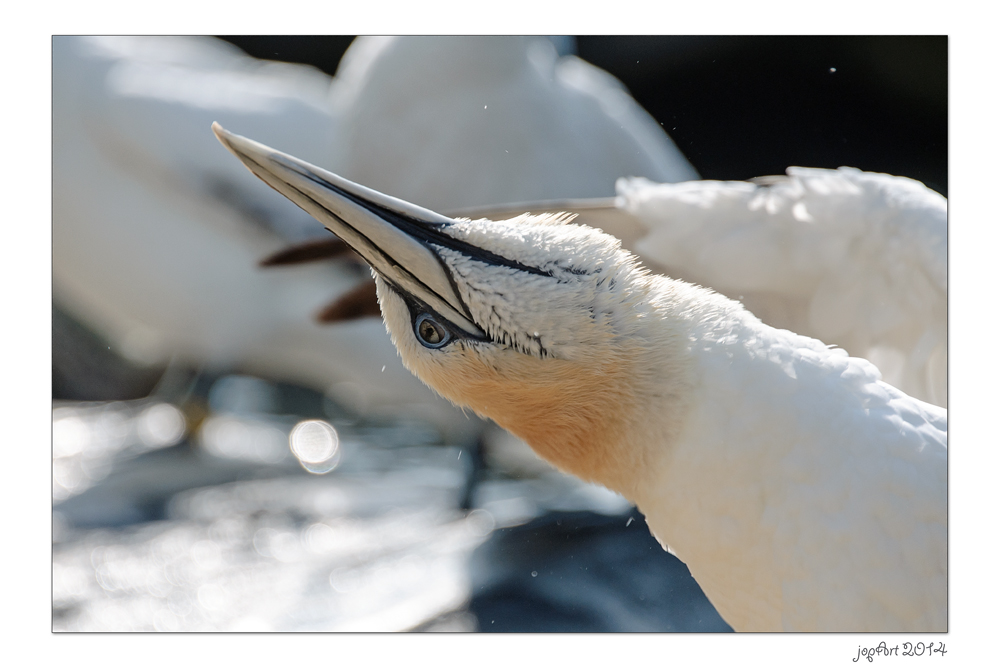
<point>702,491</point>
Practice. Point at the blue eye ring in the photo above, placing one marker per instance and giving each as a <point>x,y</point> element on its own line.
<point>430,332</point>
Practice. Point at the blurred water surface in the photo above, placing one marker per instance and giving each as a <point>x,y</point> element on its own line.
<point>221,514</point>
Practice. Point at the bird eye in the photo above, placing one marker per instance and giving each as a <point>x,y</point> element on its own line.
<point>430,333</point>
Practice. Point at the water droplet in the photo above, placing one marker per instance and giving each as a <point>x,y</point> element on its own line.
<point>534,574</point>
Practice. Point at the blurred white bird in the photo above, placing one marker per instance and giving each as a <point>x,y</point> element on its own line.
<point>854,258</point>
<point>469,121</point>
<point>152,246</point>
<point>802,492</point>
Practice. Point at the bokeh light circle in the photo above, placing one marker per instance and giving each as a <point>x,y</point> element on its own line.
<point>316,445</point>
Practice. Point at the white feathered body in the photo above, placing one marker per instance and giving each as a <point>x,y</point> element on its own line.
<point>802,492</point>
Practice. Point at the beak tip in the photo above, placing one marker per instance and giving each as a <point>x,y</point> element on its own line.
<point>241,147</point>
<point>223,135</point>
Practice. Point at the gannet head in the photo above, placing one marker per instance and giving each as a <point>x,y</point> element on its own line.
<point>533,322</point>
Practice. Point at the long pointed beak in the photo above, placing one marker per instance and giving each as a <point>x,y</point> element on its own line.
<point>392,235</point>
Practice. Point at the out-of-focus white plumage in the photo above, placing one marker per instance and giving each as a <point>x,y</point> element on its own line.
<point>156,240</point>
<point>500,120</point>
<point>802,491</point>
<point>157,234</point>
<point>857,259</point>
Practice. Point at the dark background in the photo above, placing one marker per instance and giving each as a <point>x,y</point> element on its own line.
<point>740,107</point>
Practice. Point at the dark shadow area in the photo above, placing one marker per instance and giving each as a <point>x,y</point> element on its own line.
<point>585,572</point>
